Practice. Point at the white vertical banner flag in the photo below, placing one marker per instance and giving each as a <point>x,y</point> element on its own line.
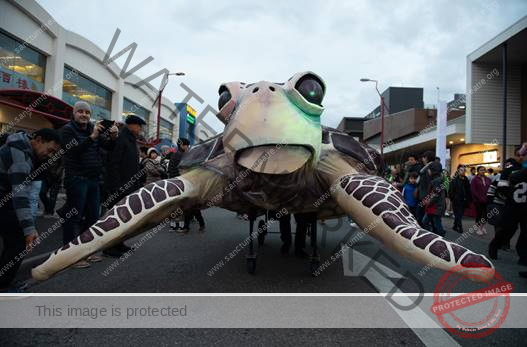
<point>441,132</point>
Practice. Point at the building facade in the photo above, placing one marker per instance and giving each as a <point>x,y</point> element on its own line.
<point>353,126</point>
<point>475,132</point>
<point>397,99</point>
<point>187,121</point>
<point>38,54</point>
<point>497,77</point>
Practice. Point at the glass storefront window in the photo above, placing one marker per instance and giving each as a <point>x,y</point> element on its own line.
<point>130,107</point>
<point>77,87</point>
<point>167,130</point>
<point>21,66</point>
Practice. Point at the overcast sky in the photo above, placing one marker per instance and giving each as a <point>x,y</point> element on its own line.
<point>400,43</point>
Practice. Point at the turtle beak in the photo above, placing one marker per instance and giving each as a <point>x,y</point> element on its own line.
<point>274,159</point>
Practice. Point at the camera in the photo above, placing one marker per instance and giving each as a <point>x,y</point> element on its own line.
<point>107,124</point>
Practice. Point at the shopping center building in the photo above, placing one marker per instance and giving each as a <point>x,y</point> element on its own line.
<point>45,68</point>
<point>475,121</point>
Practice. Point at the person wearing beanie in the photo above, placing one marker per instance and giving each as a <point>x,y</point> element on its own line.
<point>435,200</point>
<point>82,172</point>
<point>123,172</point>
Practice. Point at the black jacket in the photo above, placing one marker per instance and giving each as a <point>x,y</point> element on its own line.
<point>459,190</point>
<point>84,158</point>
<point>173,165</point>
<point>423,182</point>
<point>517,198</point>
<point>123,173</point>
<point>438,194</point>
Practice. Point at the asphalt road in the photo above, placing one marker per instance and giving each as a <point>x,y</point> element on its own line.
<point>171,262</point>
<point>174,263</point>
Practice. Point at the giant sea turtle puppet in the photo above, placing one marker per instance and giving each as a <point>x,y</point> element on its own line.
<point>274,154</point>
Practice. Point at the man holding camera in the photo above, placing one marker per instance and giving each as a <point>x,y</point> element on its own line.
<point>123,172</point>
<point>83,166</point>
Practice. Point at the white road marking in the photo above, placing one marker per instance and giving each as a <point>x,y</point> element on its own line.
<point>415,318</point>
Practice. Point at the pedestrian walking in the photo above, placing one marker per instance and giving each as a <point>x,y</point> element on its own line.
<point>478,189</point>
<point>472,174</point>
<point>459,193</point>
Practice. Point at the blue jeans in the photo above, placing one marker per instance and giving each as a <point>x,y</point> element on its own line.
<point>437,226</point>
<point>34,197</point>
<point>83,195</point>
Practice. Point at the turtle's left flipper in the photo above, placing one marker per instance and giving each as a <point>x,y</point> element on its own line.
<point>140,211</point>
<point>380,211</point>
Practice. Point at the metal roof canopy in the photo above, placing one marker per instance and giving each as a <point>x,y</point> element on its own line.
<point>516,38</point>
<point>50,107</point>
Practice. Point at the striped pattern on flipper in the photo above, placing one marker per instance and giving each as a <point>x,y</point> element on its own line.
<point>132,205</point>
<point>387,203</point>
<point>124,212</point>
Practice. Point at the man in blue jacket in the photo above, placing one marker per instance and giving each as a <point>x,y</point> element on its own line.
<point>18,158</point>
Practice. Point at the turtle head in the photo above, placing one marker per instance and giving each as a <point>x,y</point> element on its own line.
<point>273,128</point>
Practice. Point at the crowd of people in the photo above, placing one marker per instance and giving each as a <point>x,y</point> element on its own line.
<point>97,163</point>
<point>499,199</point>
<point>100,163</point>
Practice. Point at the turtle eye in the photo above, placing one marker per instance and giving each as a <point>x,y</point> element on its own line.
<point>225,96</point>
<point>311,89</point>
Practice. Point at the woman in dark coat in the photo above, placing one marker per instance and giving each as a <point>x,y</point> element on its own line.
<point>459,194</point>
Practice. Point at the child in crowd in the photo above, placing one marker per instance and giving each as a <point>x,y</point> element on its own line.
<point>409,192</point>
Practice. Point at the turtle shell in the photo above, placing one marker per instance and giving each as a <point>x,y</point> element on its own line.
<point>200,153</point>
<point>348,145</point>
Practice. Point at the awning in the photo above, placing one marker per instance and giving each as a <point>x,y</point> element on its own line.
<point>54,109</point>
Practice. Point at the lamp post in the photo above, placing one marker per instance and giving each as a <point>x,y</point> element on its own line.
<point>159,97</point>
<point>382,111</point>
